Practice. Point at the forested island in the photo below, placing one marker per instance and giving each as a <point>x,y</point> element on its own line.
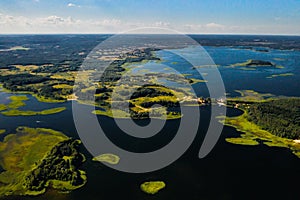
<point>253,64</point>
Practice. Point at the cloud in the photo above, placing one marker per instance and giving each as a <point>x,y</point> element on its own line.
<point>108,22</point>
<point>192,27</point>
<point>58,24</point>
<point>161,24</point>
<point>73,5</point>
<point>52,20</point>
<point>214,25</point>
<point>204,28</point>
<point>10,20</point>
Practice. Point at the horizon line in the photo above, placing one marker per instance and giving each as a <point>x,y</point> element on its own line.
<point>225,34</point>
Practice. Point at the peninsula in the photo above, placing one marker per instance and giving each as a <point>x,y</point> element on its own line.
<point>268,120</point>
<point>35,159</point>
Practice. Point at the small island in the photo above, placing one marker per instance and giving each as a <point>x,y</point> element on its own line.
<point>280,75</point>
<point>255,64</point>
<point>31,113</point>
<point>108,158</point>
<point>258,63</point>
<point>152,187</point>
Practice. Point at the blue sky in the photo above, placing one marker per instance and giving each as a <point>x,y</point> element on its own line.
<point>187,16</point>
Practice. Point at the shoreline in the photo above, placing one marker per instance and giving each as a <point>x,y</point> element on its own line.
<point>252,134</point>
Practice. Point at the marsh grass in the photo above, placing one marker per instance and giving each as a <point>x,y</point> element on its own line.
<point>152,187</point>
<point>253,133</point>
<point>15,112</point>
<point>280,75</point>
<point>108,158</point>
<point>16,102</point>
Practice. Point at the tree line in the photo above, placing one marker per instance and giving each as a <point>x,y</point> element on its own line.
<point>56,167</point>
<point>280,117</point>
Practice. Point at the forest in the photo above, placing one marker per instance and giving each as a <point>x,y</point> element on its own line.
<point>60,165</point>
<point>40,85</point>
<point>280,117</point>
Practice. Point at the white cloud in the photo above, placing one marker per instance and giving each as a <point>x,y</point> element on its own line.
<point>108,22</point>
<point>58,24</point>
<point>73,5</point>
<point>214,25</point>
<point>192,27</point>
<point>161,24</point>
<point>52,20</point>
<point>9,20</point>
<point>204,28</point>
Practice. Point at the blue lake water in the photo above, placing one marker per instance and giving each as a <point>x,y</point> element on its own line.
<point>228,172</point>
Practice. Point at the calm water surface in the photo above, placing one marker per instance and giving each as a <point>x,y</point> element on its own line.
<point>228,172</point>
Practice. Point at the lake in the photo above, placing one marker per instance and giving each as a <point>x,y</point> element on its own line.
<point>228,172</point>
